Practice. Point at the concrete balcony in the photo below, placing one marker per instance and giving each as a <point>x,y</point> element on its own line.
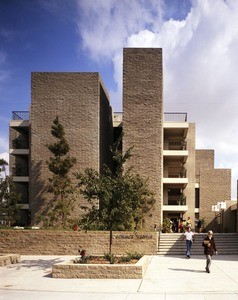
<point>19,123</point>
<point>24,206</point>
<point>176,181</point>
<point>20,178</point>
<point>171,153</point>
<point>176,155</point>
<point>175,208</point>
<point>19,151</point>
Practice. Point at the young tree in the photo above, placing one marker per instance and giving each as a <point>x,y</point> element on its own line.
<point>117,198</point>
<point>60,185</point>
<point>9,198</point>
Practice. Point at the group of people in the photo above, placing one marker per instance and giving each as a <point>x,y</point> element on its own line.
<point>208,243</point>
<point>180,225</point>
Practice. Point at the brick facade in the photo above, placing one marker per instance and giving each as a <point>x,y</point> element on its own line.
<point>214,186</point>
<point>55,242</point>
<point>143,119</point>
<point>81,103</point>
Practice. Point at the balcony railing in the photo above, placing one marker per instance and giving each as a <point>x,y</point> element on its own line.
<point>20,115</point>
<point>181,174</point>
<point>20,144</point>
<point>177,145</point>
<point>20,171</point>
<point>177,201</point>
<point>24,199</point>
<point>168,117</point>
<point>175,117</point>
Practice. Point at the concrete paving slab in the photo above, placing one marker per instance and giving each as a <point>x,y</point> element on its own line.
<point>166,278</point>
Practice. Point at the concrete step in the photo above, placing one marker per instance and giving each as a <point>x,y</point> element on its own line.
<point>171,244</point>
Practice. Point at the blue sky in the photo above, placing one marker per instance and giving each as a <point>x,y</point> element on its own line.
<point>200,45</point>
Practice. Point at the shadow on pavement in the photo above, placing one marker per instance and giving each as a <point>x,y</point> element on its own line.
<point>187,270</point>
<point>37,264</point>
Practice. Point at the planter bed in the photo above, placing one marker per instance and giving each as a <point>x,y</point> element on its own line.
<point>116,271</point>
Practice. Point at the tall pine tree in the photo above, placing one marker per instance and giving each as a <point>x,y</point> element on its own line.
<point>60,184</point>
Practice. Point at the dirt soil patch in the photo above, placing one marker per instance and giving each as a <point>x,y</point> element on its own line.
<point>102,260</point>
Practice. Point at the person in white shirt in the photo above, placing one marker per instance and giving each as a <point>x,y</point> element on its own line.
<point>189,235</point>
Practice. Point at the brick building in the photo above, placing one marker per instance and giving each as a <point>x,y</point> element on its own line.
<point>183,178</point>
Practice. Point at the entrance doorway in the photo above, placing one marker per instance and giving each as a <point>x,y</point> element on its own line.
<point>174,218</point>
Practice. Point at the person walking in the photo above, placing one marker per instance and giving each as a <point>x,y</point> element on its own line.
<point>209,249</point>
<point>189,235</point>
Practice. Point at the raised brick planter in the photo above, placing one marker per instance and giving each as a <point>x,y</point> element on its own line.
<point>8,259</point>
<point>114,271</point>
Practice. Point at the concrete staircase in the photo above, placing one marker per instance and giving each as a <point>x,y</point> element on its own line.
<point>171,244</point>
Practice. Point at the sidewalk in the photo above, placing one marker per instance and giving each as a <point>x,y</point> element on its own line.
<point>166,278</point>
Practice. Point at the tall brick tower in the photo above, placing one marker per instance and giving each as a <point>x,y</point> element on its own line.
<point>143,119</point>
<point>82,105</point>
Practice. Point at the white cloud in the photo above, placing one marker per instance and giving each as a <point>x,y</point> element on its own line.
<point>5,156</point>
<point>200,61</point>
<point>104,26</point>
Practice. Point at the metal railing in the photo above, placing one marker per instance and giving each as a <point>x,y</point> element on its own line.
<point>20,171</point>
<point>175,117</point>
<point>177,201</point>
<point>24,199</point>
<point>20,144</point>
<point>178,145</point>
<point>20,115</point>
<point>178,174</point>
<point>168,117</point>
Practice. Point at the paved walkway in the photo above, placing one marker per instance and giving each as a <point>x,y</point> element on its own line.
<point>166,278</point>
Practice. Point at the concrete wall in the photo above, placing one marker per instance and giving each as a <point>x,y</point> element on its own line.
<point>143,119</point>
<point>53,242</point>
<point>80,101</point>
<point>189,191</point>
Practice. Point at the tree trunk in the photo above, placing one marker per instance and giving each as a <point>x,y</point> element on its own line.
<point>110,242</point>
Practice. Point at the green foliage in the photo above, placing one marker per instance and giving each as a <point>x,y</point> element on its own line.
<point>134,255</point>
<point>110,257</point>
<point>130,256</point>
<point>60,185</point>
<point>9,198</point>
<point>166,226</point>
<point>81,260</point>
<point>124,259</point>
<point>117,198</point>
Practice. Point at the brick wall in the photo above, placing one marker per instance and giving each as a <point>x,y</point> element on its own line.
<point>76,99</point>
<point>204,160</point>
<point>143,117</point>
<point>52,242</point>
<point>215,186</point>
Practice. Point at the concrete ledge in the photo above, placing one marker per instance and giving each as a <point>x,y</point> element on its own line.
<point>114,271</point>
<point>8,259</point>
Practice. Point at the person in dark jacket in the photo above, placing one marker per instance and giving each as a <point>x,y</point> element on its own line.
<point>209,249</point>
